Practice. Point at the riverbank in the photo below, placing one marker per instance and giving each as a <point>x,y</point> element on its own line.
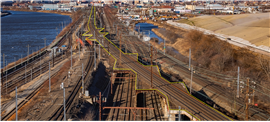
<point>45,30</point>
<point>43,11</point>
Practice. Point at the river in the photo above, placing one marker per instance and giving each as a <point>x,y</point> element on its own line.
<point>146,28</point>
<point>22,28</point>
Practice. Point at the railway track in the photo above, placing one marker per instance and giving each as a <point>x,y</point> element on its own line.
<point>9,73</point>
<point>59,113</point>
<point>21,104</point>
<point>29,75</point>
<point>123,90</point>
<point>37,71</point>
<point>13,79</point>
<point>205,81</point>
<point>197,108</point>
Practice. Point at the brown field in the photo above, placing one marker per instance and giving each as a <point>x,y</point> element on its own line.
<point>251,27</point>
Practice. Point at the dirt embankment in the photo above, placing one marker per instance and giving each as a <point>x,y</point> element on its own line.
<point>219,56</point>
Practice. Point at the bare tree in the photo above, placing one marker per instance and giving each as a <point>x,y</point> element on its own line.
<point>265,65</point>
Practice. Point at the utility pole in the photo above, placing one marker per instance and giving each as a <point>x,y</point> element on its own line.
<point>6,78</point>
<point>95,49</point>
<point>120,49</point>
<point>99,52</point>
<point>179,114</point>
<point>28,53</point>
<point>21,59</point>
<point>25,73</point>
<point>99,102</point>
<point>247,100</point>
<point>53,58</point>
<point>95,53</point>
<point>49,76</point>
<point>71,56</point>
<point>164,46</point>
<point>79,50</point>
<point>31,73</point>
<point>62,53</point>
<point>64,97</point>
<point>191,80</point>
<point>109,44</point>
<point>82,80</point>
<point>44,42</point>
<point>152,67</point>
<point>189,59</point>
<point>253,91</point>
<point>39,66</point>
<point>3,71</point>
<point>16,105</point>
<point>238,72</point>
<point>15,62</point>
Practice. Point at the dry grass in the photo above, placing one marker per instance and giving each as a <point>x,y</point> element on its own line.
<point>220,56</point>
<point>251,27</point>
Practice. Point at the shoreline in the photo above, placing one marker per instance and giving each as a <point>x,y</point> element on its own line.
<point>11,64</point>
<point>41,11</point>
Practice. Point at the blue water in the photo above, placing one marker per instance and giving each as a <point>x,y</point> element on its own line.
<point>22,28</point>
<point>146,28</point>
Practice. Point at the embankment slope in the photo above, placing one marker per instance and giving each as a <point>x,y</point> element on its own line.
<point>251,27</point>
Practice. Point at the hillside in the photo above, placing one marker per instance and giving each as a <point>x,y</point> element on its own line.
<point>251,27</point>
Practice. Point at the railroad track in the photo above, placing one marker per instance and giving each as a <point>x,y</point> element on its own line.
<point>197,108</point>
<point>122,115</point>
<point>204,81</point>
<point>9,73</point>
<point>28,98</point>
<point>36,73</point>
<point>59,113</point>
<point>28,76</point>
<point>10,81</point>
